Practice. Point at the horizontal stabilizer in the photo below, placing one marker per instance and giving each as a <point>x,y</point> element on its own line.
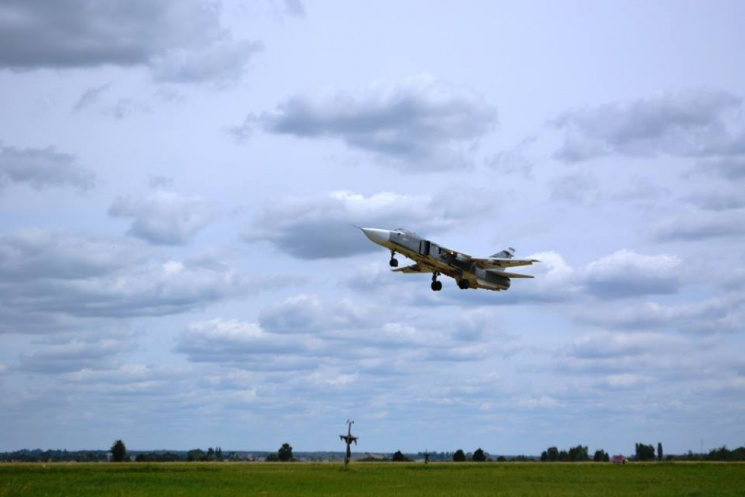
<point>414,268</point>
<point>515,275</point>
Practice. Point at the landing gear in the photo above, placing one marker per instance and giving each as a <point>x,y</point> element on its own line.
<point>436,286</point>
<point>393,262</point>
<point>464,284</point>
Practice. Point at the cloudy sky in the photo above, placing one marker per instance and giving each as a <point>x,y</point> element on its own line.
<point>178,179</point>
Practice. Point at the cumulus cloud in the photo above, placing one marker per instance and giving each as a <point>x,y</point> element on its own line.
<point>622,360</point>
<point>416,125</point>
<point>627,274</point>
<point>182,41</point>
<point>243,344</point>
<point>223,62</point>
<point>729,168</point>
<point>42,168</point>
<point>320,227</point>
<point>514,160</point>
<point>693,123</point>
<point>716,315</point>
<point>90,97</point>
<point>307,314</point>
<point>295,7</point>
<point>307,332</point>
<point>694,225</point>
<point>717,200</point>
<point>607,345</point>
<point>35,254</point>
<point>60,274</point>
<point>164,217</point>
<point>75,355</point>
<point>573,188</point>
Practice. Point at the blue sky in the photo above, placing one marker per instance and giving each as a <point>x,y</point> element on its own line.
<point>178,179</point>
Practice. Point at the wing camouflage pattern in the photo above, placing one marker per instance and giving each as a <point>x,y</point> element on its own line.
<point>414,268</point>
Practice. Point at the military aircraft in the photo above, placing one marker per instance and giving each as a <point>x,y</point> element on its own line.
<point>468,272</point>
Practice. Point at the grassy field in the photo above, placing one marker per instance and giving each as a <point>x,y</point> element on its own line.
<point>388,479</point>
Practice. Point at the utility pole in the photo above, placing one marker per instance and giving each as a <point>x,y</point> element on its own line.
<point>348,439</point>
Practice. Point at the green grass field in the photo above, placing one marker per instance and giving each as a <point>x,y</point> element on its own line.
<point>388,479</point>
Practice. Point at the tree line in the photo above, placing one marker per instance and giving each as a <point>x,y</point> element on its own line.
<point>118,453</point>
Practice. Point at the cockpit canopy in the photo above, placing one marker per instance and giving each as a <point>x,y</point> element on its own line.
<point>406,232</point>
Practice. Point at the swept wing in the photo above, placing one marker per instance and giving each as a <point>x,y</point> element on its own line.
<point>414,268</point>
<point>494,262</point>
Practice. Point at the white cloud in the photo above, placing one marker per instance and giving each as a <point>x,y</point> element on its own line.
<point>90,97</point>
<point>34,254</point>
<point>717,200</point>
<point>623,380</point>
<point>693,123</point>
<point>696,225</point>
<point>43,168</point>
<point>574,188</point>
<point>224,62</point>
<point>622,345</point>
<point>75,355</point>
<point>306,332</point>
<point>243,345</point>
<point>165,217</point>
<point>416,125</point>
<point>627,274</point>
<point>182,41</point>
<point>57,274</point>
<point>715,315</point>
<point>729,168</point>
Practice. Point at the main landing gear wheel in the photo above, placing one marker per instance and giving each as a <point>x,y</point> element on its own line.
<point>464,284</point>
<point>436,286</point>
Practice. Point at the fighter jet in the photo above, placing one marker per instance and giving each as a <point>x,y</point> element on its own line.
<point>429,257</point>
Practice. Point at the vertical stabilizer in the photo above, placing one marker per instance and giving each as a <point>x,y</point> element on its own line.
<point>507,253</point>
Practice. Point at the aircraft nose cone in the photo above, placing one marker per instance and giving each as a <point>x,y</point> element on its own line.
<point>378,236</point>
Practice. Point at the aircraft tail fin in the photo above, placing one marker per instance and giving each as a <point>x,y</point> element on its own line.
<point>507,253</point>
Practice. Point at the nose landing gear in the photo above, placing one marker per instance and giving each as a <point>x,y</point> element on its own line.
<point>393,262</point>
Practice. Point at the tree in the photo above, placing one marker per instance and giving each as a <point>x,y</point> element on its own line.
<point>118,451</point>
<point>284,453</point>
<point>459,456</point>
<point>644,452</point>
<point>659,451</point>
<point>398,456</point>
<point>600,456</point>
<point>478,456</point>
<point>196,455</point>
<point>578,453</point>
<point>552,454</point>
